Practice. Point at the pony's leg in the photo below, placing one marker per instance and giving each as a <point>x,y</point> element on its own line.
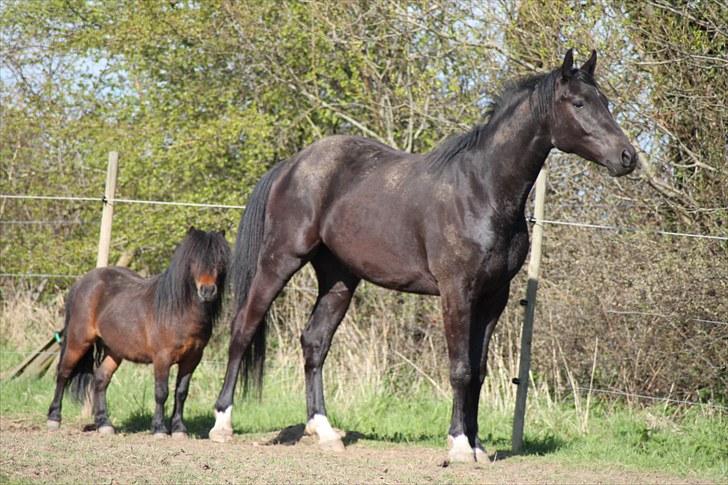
<point>267,283</point>
<point>336,287</point>
<point>184,373</point>
<point>489,310</point>
<point>464,351</point>
<point>70,357</point>
<point>161,392</point>
<point>102,377</point>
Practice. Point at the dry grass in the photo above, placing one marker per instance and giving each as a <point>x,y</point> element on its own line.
<point>393,342</point>
<point>26,322</point>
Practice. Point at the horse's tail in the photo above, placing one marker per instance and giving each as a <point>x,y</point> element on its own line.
<point>82,376</point>
<point>245,261</point>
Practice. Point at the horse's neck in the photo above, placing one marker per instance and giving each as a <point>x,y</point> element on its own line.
<point>507,163</point>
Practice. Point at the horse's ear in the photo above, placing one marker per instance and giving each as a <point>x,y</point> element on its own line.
<point>222,233</point>
<point>192,228</point>
<point>568,64</point>
<point>590,65</point>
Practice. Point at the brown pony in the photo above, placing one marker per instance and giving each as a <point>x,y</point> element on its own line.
<point>448,223</point>
<point>114,314</point>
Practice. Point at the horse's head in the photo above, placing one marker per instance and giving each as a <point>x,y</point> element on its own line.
<point>581,122</point>
<point>208,265</point>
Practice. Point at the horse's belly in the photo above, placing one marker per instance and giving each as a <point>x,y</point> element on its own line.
<point>382,261</point>
<point>395,278</point>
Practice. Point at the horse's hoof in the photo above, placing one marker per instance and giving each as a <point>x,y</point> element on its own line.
<point>221,435</point>
<point>461,456</point>
<point>480,454</point>
<point>160,435</point>
<point>106,429</point>
<point>460,450</point>
<point>332,445</point>
<point>180,435</point>
<point>53,425</point>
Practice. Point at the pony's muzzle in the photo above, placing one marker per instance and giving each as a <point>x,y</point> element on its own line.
<point>207,292</point>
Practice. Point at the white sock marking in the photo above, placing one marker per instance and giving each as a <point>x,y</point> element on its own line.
<point>460,443</point>
<point>321,426</point>
<point>224,419</point>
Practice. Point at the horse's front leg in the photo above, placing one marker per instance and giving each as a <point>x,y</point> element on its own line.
<point>488,311</point>
<point>161,391</point>
<point>464,345</point>
<point>184,374</point>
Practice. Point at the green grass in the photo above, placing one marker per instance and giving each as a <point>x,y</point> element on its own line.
<point>667,439</point>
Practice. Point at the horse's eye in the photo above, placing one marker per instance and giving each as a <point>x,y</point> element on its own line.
<point>578,104</point>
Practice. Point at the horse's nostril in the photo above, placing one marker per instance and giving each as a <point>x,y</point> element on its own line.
<point>208,291</point>
<point>627,159</point>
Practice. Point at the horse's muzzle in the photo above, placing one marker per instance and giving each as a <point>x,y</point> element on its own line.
<point>629,159</point>
<point>207,293</point>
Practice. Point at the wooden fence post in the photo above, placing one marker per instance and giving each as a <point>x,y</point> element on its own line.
<point>524,365</point>
<point>102,258</point>
<point>107,215</point>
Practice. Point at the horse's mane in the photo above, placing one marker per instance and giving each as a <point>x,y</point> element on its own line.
<point>175,288</point>
<point>540,87</point>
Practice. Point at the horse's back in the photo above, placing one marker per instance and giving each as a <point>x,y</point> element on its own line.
<point>365,201</point>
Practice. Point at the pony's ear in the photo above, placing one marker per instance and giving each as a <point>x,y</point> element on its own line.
<point>568,64</point>
<point>192,228</point>
<point>590,65</point>
<point>222,233</point>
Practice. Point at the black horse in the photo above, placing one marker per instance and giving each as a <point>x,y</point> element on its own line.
<point>449,223</point>
<point>114,314</point>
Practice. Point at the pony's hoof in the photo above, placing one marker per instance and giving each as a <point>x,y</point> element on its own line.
<point>160,435</point>
<point>332,445</point>
<point>53,425</point>
<point>180,435</point>
<point>106,429</point>
<point>221,435</point>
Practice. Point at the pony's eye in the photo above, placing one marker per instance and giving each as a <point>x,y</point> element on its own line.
<point>578,104</point>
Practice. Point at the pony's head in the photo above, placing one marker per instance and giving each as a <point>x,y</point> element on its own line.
<point>580,121</point>
<point>196,274</point>
<point>208,257</point>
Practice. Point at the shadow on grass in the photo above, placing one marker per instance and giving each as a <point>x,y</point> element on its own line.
<point>198,426</point>
<point>532,447</point>
<point>140,422</point>
<point>294,434</point>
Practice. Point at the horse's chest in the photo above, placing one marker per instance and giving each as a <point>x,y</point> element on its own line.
<point>504,256</point>
<point>517,251</point>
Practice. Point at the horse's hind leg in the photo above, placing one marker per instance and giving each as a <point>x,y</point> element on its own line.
<point>336,288</point>
<point>184,373</point>
<point>267,283</point>
<point>102,377</point>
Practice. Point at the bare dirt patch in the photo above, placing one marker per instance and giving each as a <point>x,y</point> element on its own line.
<point>28,452</point>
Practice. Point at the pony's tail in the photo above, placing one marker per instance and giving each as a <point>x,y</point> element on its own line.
<point>245,261</point>
<point>82,376</point>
